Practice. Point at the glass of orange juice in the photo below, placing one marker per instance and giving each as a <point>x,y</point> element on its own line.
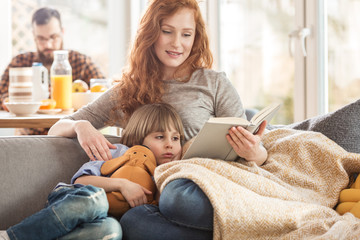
<point>61,90</point>
<point>61,80</point>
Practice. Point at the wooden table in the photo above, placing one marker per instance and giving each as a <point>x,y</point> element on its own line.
<point>9,120</point>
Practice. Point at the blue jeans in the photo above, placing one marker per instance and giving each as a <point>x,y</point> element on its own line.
<point>184,212</point>
<point>71,213</point>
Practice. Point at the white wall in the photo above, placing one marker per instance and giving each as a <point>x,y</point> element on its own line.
<point>5,46</point>
<point>5,26</point>
<point>119,24</point>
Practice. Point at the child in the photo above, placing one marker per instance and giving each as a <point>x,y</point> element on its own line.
<point>156,126</point>
<point>80,210</point>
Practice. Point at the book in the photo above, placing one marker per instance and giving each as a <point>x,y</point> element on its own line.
<point>211,140</point>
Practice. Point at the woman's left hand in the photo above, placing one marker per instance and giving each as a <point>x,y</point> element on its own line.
<point>248,145</point>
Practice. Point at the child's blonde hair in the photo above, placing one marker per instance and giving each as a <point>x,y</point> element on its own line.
<point>156,117</point>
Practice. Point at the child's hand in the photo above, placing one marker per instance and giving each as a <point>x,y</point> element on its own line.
<point>134,193</point>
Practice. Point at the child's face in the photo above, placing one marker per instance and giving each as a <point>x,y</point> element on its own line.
<point>166,145</point>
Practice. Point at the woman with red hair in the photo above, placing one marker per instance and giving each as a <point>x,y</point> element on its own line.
<point>170,61</point>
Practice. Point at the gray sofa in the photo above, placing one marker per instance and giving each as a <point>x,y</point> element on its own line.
<point>30,167</point>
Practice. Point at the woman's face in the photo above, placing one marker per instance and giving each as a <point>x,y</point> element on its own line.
<point>175,42</point>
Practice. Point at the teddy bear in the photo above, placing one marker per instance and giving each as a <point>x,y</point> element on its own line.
<point>137,165</point>
<point>349,200</point>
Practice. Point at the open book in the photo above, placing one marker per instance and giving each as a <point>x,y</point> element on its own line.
<point>211,141</point>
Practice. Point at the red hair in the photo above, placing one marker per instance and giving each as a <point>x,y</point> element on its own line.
<point>141,82</point>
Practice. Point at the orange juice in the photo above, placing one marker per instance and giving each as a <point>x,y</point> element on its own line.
<point>61,91</point>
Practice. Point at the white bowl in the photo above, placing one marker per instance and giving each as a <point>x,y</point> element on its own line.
<point>23,108</point>
<point>80,99</point>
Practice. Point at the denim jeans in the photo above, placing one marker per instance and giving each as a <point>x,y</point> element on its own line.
<point>184,212</point>
<point>71,213</point>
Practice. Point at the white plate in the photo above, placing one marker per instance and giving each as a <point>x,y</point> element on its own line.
<point>49,111</point>
<point>23,108</point>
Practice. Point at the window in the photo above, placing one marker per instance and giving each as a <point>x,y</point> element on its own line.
<point>254,52</point>
<point>343,52</point>
<point>249,39</point>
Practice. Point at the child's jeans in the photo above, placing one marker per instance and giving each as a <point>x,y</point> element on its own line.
<point>71,213</point>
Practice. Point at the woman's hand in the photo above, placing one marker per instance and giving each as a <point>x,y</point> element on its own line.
<point>93,142</point>
<point>248,145</point>
<point>134,193</point>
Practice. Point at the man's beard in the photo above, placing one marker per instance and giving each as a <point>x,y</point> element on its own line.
<point>47,59</point>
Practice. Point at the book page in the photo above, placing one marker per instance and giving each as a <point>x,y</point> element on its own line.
<point>230,120</point>
<point>265,114</point>
<point>262,115</point>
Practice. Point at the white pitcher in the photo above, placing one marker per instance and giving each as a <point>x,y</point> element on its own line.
<point>40,82</point>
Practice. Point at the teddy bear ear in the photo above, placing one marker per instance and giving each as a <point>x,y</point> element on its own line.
<point>112,165</point>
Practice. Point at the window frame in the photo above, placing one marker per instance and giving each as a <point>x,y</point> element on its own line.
<point>311,85</point>
<point>316,67</point>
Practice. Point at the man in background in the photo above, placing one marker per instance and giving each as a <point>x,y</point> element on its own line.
<point>48,35</point>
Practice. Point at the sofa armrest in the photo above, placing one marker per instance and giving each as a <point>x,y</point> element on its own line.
<point>31,166</point>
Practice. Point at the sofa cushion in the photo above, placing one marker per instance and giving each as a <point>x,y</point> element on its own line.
<point>341,126</point>
<point>31,166</point>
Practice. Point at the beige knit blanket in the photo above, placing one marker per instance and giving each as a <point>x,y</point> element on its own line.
<point>290,197</point>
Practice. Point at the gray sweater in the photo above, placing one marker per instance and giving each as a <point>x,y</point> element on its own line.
<point>207,94</point>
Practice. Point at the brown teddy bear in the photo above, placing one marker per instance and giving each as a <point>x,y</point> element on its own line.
<point>137,165</point>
